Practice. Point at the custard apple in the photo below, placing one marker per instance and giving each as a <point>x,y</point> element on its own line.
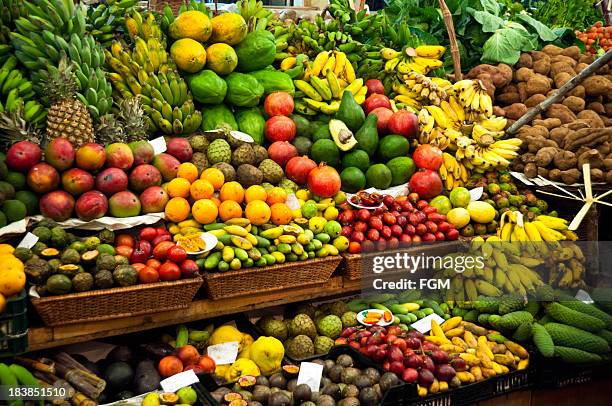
<point>272,172</point>
<point>349,319</point>
<point>273,327</point>
<point>219,151</point>
<point>302,325</point>
<point>323,344</point>
<point>300,347</point>
<point>330,326</point>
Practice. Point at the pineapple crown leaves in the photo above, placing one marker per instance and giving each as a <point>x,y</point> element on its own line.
<point>126,125</point>
<point>14,127</point>
<point>62,82</point>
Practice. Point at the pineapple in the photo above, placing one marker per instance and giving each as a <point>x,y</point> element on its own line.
<point>109,130</point>
<point>127,126</point>
<point>14,128</point>
<point>68,117</point>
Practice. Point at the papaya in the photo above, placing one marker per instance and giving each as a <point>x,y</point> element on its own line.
<point>251,121</point>
<point>256,51</point>
<point>243,90</point>
<point>229,28</point>
<point>274,81</point>
<point>189,55</point>
<point>207,87</point>
<point>191,24</point>
<point>218,116</point>
<point>221,58</point>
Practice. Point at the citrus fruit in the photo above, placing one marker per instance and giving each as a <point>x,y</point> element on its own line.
<point>460,197</point>
<point>280,213</point>
<point>229,209</point>
<point>481,212</point>
<point>331,213</point>
<point>179,187</point>
<point>276,195</point>
<point>442,204</point>
<point>201,189</point>
<point>204,211</point>
<point>2,303</point>
<point>232,191</point>
<point>188,171</point>
<point>6,249</point>
<point>177,209</point>
<point>214,176</point>
<point>458,216</point>
<point>303,194</point>
<point>255,192</point>
<point>258,212</point>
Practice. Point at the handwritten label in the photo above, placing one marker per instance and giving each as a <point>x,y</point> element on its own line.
<point>28,241</point>
<point>224,354</point>
<point>476,193</point>
<point>178,381</point>
<point>584,296</point>
<point>310,374</point>
<point>424,325</point>
<point>159,145</point>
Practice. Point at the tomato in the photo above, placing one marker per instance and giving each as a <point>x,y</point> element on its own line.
<point>169,271</point>
<point>125,239</point>
<point>148,234</point>
<point>590,41</point>
<point>153,263</point>
<point>124,250</point>
<point>148,275</point>
<point>177,254</point>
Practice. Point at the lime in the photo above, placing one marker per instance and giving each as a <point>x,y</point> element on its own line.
<point>460,197</point>
<point>187,395</point>
<point>441,203</point>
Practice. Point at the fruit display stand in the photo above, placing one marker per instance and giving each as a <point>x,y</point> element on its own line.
<point>14,326</point>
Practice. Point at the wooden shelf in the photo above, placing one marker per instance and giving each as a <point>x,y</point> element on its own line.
<point>48,337</point>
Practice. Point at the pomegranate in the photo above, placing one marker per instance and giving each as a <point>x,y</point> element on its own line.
<point>281,152</point>
<point>298,168</point>
<point>374,86</point>
<point>376,100</point>
<point>280,128</point>
<point>426,183</point>
<point>324,181</point>
<point>403,122</point>
<point>427,156</point>
<point>278,104</point>
<point>383,114</point>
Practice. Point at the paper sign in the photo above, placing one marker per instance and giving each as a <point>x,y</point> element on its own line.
<point>310,374</point>
<point>159,145</point>
<point>225,353</point>
<point>178,381</point>
<point>292,202</point>
<point>28,241</point>
<point>583,296</point>
<point>476,193</point>
<point>424,325</point>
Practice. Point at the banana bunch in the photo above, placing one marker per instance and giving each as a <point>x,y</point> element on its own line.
<point>16,94</point>
<point>145,71</point>
<point>485,152</point>
<point>54,28</point>
<point>422,59</point>
<point>474,97</point>
<point>336,62</point>
<point>362,25</point>
<point>10,10</point>
<point>415,90</point>
<point>452,172</point>
<point>566,267</point>
<point>167,15</point>
<point>295,66</point>
<point>144,27</point>
<point>323,95</point>
<point>105,19</point>
<point>253,12</point>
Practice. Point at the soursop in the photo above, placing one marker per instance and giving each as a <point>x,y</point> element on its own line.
<point>338,308</point>
<point>229,173</point>
<point>300,347</point>
<point>349,319</point>
<point>302,324</point>
<point>330,326</point>
<point>288,185</point>
<point>272,172</point>
<point>259,153</point>
<point>219,151</point>
<point>306,308</point>
<point>243,155</point>
<point>323,344</point>
<point>273,327</point>
<point>248,175</point>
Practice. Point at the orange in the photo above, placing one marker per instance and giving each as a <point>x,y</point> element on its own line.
<point>214,176</point>
<point>2,303</point>
<point>188,171</point>
<point>229,209</point>
<point>205,211</point>
<point>179,187</point>
<point>12,277</point>
<point>276,195</point>
<point>216,201</point>
<point>280,214</point>
<point>255,192</point>
<point>201,189</point>
<point>232,191</point>
<point>258,212</point>
<point>177,209</point>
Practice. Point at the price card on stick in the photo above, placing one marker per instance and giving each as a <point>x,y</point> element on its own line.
<point>178,381</point>
<point>224,354</point>
<point>310,374</point>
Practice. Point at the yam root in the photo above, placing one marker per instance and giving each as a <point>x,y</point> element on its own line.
<point>572,52</point>
<point>522,91</point>
<point>592,157</point>
<point>539,55</point>
<point>565,160</point>
<point>609,177</point>
<point>542,66</point>
<point>608,164</point>
<point>576,125</point>
<point>588,137</point>
<point>545,156</point>
<point>574,103</point>
<point>508,98</point>
<point>554,175</point>
<point>580,67</point>
<point>543,172</point>
<point>558,134</point>
<point>531,170</point>
<point>571,176</point>
<point>591,118</point>
<point>588,59</point>
<point>560,67</point>
<point>597,107</point>
<point>537,84</point>
<point>525,61</point>
<point>561,78</point>
<point>528,158</point>
<point>564,59</point>
<point>515,111</point>
<point>552,50</point>
<point>604,148</point>
<point>506,75</point>
<point>597,85</point>
<point>534,100</point>
<point>518,166</point>
<point>536,131</point>
<point>561,112</point>
<point>549,123</point>
<point>500,75</point>
<point>498,111</point>
<point>597,175</point>
<point>523,74</point>
<point>578,91</point>
<point>536,144</point>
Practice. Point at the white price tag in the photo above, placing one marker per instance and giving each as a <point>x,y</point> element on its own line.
<point>292,202</point>
<point>28,241</point>
<point>476,193</point>
<point>178,381</point>
<point>522,178</point>
<point>159,145</point>
<point>310,374</point>
<point>583,296</point>
<point>424,325</point>
<point>224,354</point>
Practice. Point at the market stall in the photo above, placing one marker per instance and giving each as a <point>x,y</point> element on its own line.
<point>212,204</point>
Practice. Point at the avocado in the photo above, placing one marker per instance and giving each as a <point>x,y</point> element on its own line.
<point>58,284</point>
<point>7,189</point>
<point>43,234</point>
<point>349,112</point>
<point>402,168</point>
<point>352,180</point>
<point>54,264</point>
<point>79,246</point>
<point>83,282</point>
<point>367,135</point>
<point>14,210</point>
<point>342,136</point>
<point>3,170</point>
<point>321,133</point>
<point>30,201</point>
<point>392,146</point>
<point>302,125</point>
<point>118,376</point>
<point>302,144</point>
<point>70,256</point>
<point>356,158</point>
<point>146,378</point>
<point>125,275</point>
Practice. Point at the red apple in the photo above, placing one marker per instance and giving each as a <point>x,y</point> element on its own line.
<point>404,122</point>
<point>374,86</point>
<point>375,101</point>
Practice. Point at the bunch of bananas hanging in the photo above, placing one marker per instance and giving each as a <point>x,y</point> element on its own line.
<point>254,13</point>
<point>10,10</point>
<point>422,59</point>
<point>106,19</point>
<point>452,172</point>
<point>414,91</point>
<point>51,29</point>
<point>362,25</point>
<point>324,81</point>
<point>167,16</point>
<point>145,70</point>
<point>474,98</point>
<point>16,93</point>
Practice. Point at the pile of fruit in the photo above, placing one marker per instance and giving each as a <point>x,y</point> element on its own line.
<point>13,277</point>
<point>342,383</point>
<point>60,262</point>
<point>596,37</point>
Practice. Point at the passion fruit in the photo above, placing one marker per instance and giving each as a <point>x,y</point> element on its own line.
<point>247,382</point>
<point>232,396</point>
<point>168,398</point>
<point>290,370</point>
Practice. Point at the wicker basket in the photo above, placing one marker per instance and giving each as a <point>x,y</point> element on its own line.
<point>354,264</point>
<point>114,303</point>
<point>276,277</point>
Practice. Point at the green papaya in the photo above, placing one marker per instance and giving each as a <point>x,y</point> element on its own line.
<point>251,121</point>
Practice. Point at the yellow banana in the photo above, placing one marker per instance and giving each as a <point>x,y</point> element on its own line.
<point>319,62</point>
<point>288,63</point>
<point>349,72</point>
<point>430,51</point>
<point>334,85</point>
<point>390,53</point>
<point>340,62</point>
<point>330,64</point>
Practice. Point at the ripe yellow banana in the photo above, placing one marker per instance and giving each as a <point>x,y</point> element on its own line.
<point>430,51</point>
<point>319,62</point>
<point>340,62</point>
<point>349,72</point>
<point>390,53</point>
<point>330,64</point>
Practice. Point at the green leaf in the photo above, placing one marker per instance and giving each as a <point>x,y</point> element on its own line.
<point>489,22</point>
<point>490,6</point>
<point>545,33</point>
<point>504,46</point>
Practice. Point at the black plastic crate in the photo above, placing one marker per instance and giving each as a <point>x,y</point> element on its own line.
<point>14,326</point>
<point>554,373</point>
